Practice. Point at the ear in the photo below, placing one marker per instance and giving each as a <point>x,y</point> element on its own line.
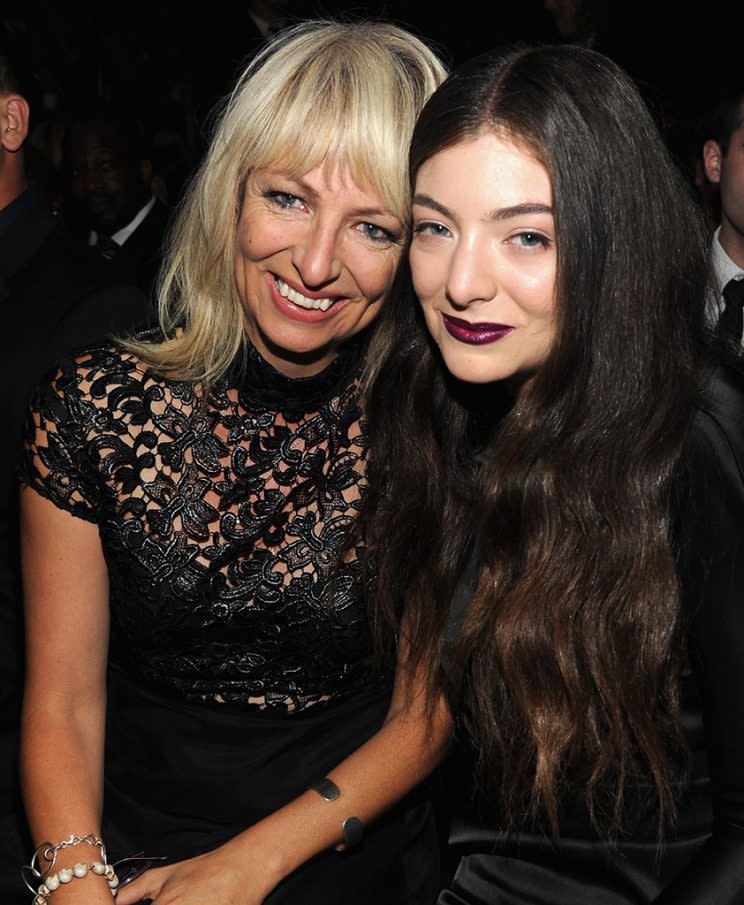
<point>14,116</point>
<point>712,160</point>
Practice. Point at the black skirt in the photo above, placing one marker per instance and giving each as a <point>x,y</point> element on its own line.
<point>181,778</point>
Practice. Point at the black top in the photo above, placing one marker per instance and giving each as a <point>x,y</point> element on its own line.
<point>240,665</point>
<point>221,517</point>
<point>702,860</point>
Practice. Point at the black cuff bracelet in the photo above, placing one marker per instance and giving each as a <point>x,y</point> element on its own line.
<point>352,826</point>
<point>353,832</point>
<point>327,789</point>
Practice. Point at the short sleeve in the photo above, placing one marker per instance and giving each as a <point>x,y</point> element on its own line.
<point>57,460</point>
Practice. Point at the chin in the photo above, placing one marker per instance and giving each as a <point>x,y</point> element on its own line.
<point>298,346</point>
<point>297,353</point>
<point>476,372</point>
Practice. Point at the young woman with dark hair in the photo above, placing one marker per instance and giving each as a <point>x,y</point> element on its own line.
<point>557,482</point>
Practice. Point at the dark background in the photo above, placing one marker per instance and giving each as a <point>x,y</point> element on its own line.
<point>170,64</point>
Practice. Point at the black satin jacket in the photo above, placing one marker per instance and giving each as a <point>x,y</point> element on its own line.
<point>702,859</point>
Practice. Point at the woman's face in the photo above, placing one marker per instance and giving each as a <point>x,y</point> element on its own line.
<point>314,259</point>
<point>483,258</point>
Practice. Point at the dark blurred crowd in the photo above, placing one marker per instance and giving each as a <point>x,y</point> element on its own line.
<point>166,67</point>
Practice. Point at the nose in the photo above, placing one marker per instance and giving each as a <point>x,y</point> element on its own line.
<point>472,272</point>
<point>88,178</point>
<point>94,180</point>
<point>316,255</point>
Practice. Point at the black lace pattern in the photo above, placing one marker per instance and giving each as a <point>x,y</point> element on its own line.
<point>221,518</point>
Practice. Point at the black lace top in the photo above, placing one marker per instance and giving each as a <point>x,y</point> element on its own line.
<point>220,516</point>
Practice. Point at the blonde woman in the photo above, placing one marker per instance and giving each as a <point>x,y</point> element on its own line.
<point>201,685</point>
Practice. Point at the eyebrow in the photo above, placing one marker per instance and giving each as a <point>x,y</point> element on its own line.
<point>373,212</point>
<point>494,216</point>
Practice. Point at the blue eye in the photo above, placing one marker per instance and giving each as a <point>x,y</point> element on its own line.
<point>376,233</point>
<point>531,240</point>
<point>430,229</point>
<point>283,200</point>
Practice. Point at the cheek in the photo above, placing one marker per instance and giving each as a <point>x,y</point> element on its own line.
<point>428,274</point>
<point>245,261</point>
<point>244,252</point>
<point>114,185</point>
<point>736,180</point>
<point>374,274</point>
<point>258,236</point>
<point>535,292</point>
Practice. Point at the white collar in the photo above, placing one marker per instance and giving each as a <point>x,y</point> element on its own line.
<point>724,267</point>
<point>121,235</point>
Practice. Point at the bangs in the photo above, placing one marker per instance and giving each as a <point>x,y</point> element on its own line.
<point>338,147</point>
<point>347,124</point>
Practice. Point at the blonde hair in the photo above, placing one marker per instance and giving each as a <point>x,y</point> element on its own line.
<point>341,94</point>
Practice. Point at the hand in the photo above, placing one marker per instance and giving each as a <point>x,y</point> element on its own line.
<point>228,876</point>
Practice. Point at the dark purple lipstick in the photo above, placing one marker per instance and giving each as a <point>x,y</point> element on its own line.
<point>475,334</point>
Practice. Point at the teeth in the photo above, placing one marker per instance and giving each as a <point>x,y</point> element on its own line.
<point>302,300</point>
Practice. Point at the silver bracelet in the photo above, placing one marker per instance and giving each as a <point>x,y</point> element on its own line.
<point>35,872</point>
<point>352,827</point>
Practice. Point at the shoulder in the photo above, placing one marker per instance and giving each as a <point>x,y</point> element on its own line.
<point>72,290</point>
<point>708,492</point>
<point>92,372</point>
<point>109,310</point>
<point>716,431</point>
<point>67,257</point>
<point>51,270</point>
<point>161,214</point>
<point>155,224</point>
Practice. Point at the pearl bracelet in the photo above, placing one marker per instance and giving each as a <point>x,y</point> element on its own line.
<point>78,871</point>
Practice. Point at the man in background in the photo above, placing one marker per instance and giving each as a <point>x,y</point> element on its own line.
<point>723,159</point>
<point>110,199</point>
<point>54,296</point>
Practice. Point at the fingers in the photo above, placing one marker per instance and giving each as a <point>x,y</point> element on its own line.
<point>145,886</point>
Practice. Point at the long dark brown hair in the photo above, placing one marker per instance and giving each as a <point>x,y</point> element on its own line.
<point>570,651</point>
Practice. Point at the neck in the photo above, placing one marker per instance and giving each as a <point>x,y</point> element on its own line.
<point>292,364</point>
<point>732,241</point>
<point>12,181</point>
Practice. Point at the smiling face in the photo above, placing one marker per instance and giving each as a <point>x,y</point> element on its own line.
<point>315,256</point>
<point>483,258</point>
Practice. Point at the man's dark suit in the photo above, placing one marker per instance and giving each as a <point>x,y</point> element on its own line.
<point>138,260</point>
<point>55,295</point>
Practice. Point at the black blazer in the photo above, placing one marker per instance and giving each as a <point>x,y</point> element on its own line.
<point>55,295</point>
<point>138,260</point>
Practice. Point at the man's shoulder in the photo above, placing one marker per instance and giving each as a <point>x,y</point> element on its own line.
<point>155,223</point>
<point>63,289</point>
<point>58,262</point>
<point>718,421</point>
